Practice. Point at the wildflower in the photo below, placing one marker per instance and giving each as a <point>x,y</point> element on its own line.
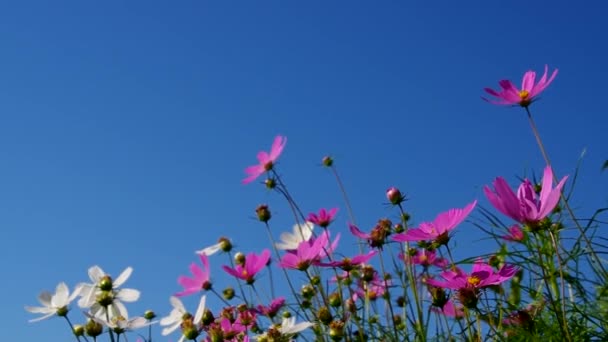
<point>253,264</point>
<point>301,232</point>
<point>104,294</point>
<point>515,234</point>
<point>120,324</point>
<point>272,309</point>
<point>468,285</point>
<point>53,303</point>
<point>425,258</point>
<point>438,229</point>
<point>510,95</point>
<point>308,252</point>
<point>347,264</point>
<point>324,218</point>
<point>266,160</point>
<point>199,281</point>
<point>377,237</point>
<point>223,244</point>
<point>178,316</point>
<point>526,207</point>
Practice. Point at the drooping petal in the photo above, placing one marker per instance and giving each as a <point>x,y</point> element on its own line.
<point>96,273</point>
<point>277,147</point>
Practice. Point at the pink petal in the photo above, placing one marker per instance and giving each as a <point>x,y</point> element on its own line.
<point>277,147</point>
<point>528,81</point>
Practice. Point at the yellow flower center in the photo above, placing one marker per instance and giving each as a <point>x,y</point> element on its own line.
<point>473,280</point>
<point>523,94</point>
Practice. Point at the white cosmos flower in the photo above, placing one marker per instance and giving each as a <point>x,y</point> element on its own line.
<point>121,324</point>
<point>52,304</point>
<point>175,318</point>
<point>289,326</point>
<point>90,292</point>
<point>301,232</point>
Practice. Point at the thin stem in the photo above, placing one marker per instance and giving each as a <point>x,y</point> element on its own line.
<point>563,197</point>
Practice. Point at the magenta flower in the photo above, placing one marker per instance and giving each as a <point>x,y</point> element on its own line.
<point>272,309</point>
<point>309,252</point>
<point>525,207</point>
<point>482,276</point>
<point>199,281</point>
<point>438,229</point>
<point>510,95</point>
<point>266,160</point>
<point>324,218</point>
<point>253,264</point>
<point>348,264</point>
<point>515,234</point>
<point>425,258</point>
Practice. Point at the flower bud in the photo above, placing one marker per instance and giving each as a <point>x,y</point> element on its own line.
<point>286,314</point>
<point>394,196</point>
<point>400,301</point>
<point>335,299</point>
<point>225,244</point>
<point>398,228</point>
<point>270,183</point>
<point>336,330</point>
<point>263,213</point>
<point>315,280</point>
<point>92,328</point>
<point>307,291</point>
<point>239,258</point>
<point>228,293</point>
<point>324,315</point>
<point>207,317</point>
<point>328,161</point>
<point>78,330</point>
<point>149,315</point>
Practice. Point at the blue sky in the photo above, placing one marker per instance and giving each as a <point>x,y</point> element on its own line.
<point>125,126</point>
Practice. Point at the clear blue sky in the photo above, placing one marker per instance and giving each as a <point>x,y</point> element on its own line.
<point>125,126</point>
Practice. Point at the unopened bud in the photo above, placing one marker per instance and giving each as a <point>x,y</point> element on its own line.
<point>328,161</point>
<point>263,213</point>
<point>394,196</point>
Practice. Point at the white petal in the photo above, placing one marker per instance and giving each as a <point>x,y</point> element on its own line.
<point>118,309</point>
<point>128,295</point>
<point>96,273</point>
<point>41,318</point>
<point>210,250</point>
<point>61,296</point>
<point>177,303</point>
<point>200,310</point>
<point>137,322</point>
<point>40,309</point>
<point>174,317</point>
<point>87,293</point>
<point>45,298</point>
<point>122,277</point>
<point>166,331</point>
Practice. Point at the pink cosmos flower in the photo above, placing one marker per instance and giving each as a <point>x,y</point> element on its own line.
<point>253,264</point>
<point>439,228</point>
<point>272,309</point>
<point>515,234</point>
<point>309,252</point>
<point>525,207</point>
<point>482,275</point>
<point>425,258</point>
<point>266,160</point>
<point>199,281</point>
<point>324,218</point>
<point>347,264</point>
<point>510,95</point>
<point>372,289</point>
